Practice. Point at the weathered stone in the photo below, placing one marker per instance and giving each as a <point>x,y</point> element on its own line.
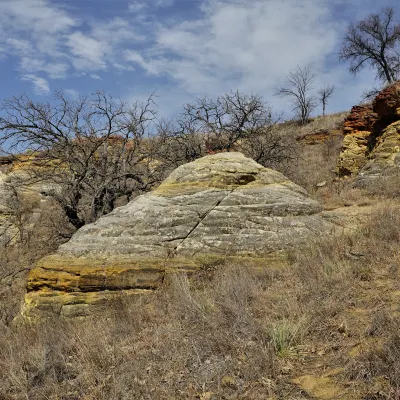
<point>223,204</point>
<point>320,136</point>
<point>385,157</point>
<point>354,151</point>
<point>358,128</point>
<point>371,140</point>
<point>387,102</point>
<point>361,118</point>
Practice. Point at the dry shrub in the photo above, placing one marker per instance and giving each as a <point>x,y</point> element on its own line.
<point>317,164</point>
<point>382,231</point>
<point>381,361</point>
<point>387,186</point>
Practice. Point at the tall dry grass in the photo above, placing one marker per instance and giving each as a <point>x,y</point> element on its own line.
<point>233,332</point>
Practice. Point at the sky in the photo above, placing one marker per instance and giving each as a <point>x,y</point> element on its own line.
<point>178,49</point>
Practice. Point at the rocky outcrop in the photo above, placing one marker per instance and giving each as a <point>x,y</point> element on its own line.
<point>384,158</point>
<point>7,197</point>
<point>220,205</point>
<point>370,145</point>
<point>358,128</point>
<point>18,194</point>
<point>319,137</point>
<point>387,102</point>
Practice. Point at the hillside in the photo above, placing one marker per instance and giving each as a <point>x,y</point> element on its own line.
<point>316,318</point>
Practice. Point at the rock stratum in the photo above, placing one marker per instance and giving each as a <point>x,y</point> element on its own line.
<point>220,205</point>
<point>371,146</point>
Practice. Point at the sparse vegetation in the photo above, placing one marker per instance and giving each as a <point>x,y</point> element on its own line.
<point>231,332</point>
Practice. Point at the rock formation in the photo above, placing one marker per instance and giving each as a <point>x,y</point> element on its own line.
<point>16,187</point>
<point>371,143</point>
<point>384,159</point>
<point>221,205</point>
<point>358,128</point>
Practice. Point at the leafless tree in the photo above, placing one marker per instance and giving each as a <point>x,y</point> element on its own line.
<point>178,142</point>
<point>374,41</point>
<point>271,147</point>
<point>89,150</point>
<point>227,119</point>
<point>324,93</point>
<point>299,87</point>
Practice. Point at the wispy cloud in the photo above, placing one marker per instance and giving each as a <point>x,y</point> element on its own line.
<point>136,6</point>
<point>48,40</point>
<point>40,85</point>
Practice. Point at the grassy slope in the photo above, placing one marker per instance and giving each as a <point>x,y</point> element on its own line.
<point>324,327</point>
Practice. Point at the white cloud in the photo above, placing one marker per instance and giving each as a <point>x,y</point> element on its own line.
<point>88,52</point>
<point>48,40</point>
<point>137,6</point>
<point>40,85</point>
<point>234,45</point>
<point>36,15</point>
<point>135,57</point>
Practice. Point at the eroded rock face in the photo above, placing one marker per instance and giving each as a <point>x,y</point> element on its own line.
<point>370,145</point>
<point>387,102</point>
<point>358,128</point>
<point>223,204</point>
<point>385,157</point>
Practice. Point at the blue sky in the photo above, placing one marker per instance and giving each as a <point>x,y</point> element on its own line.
<point>179,49</point>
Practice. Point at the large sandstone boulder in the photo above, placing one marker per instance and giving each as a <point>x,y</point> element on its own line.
<point>220,205</point>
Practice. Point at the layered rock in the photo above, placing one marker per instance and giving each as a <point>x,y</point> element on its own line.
<point>7,197</point>
<point>358,128</point>
<point>387,102</point>
<point>220,205</point>
<point>16,192</point>
<point>384,158</point>
<point>371,137</point>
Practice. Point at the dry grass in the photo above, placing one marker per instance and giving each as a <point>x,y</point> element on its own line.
<point>233,332</point>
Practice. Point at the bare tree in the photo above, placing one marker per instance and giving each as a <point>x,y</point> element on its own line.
<point>271,147</point>
<point>324,93</point>
<point>178,142</point>
<point>374,41</point>
<point>89,150</point>
<point>299,87</point>
<point>227,119</point>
